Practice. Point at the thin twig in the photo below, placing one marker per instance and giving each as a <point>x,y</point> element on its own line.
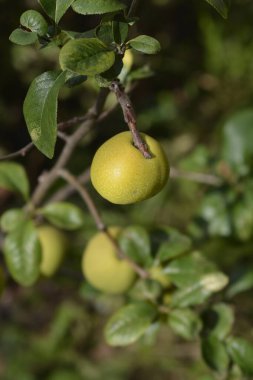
<point>129,116</point>
<point>132,8</point>
<point>21,152</point>
<point>98,220</point>
<point>69,178</point>
<point>67,190</point>
<point>208,179</point>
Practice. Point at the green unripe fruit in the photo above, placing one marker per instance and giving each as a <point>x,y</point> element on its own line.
<point>53,244</point>
<point>121,174</point>
<point>102,268</point>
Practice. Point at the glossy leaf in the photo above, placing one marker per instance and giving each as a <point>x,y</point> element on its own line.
<point>185,323</point>
<point>237,148</point>
<point>22,37</point>
<point>40,110</point>
<point>56,8</point>
<point>241,351</point>
<point>11,219</point>
<point>189,269</point>
<point>13,177</point>
<point>134,241</point>
<point>219,320</point>
<point>191,295</point>
<point>22,253</point>
<point>34,21</point>
<point>221,6</point>
<point>145,44</point>
<point>86,56</point>
<point>63,215</point>
<point>200,290</point>
<point>174,245</point>
<point>129,323</point>
<point>90,7</point>
<point>215,354</point>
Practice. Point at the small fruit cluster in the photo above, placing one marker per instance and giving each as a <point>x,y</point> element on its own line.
<point>101,265</point>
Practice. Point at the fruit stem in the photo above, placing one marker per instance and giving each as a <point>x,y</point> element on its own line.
<point>129,117</point>
<point>73,181</point>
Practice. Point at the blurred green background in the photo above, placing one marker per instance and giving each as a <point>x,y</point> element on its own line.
<point>202,77</point>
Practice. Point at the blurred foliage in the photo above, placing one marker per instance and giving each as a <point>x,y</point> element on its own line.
<point>198,102</point>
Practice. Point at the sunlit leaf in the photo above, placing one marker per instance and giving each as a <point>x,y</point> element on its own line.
<point>129,323</point>
<point>86,56</point>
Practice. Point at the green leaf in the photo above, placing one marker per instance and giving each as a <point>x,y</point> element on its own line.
<point>134,241</point>
<point>56,8</point>
<point>86,56</point>
<point>214,211</point>
<point>241,351</point>
<point>243,283</point>
<point>189,269</point>
<point>13,177</point>
<point>147,289</point>
<point>104,32</point>
<point>145,44</point>
<point>192,295</point>
<point>22,37</point>
<point>49,7</point>
<point>219,320</point>
<point>34,21</point>
<point>61,8</point>
<point>215,354</point>
<point>75,80</point>
<point>23,254</point>
<point>185,323</point>
<point>129,323</point>
<point>221,6</point>
<point>63,215</point>
<point>90,7</point>
<point>199,291</point>
<point>40,110</point>
<point>11,219</point>
<point>120,31</point>
<point>174,245</point>
<point>237,148</point>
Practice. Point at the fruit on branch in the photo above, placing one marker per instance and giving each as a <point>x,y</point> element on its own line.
<point>121,174</point>
<point>54,245</point>
<point>103,268</point>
